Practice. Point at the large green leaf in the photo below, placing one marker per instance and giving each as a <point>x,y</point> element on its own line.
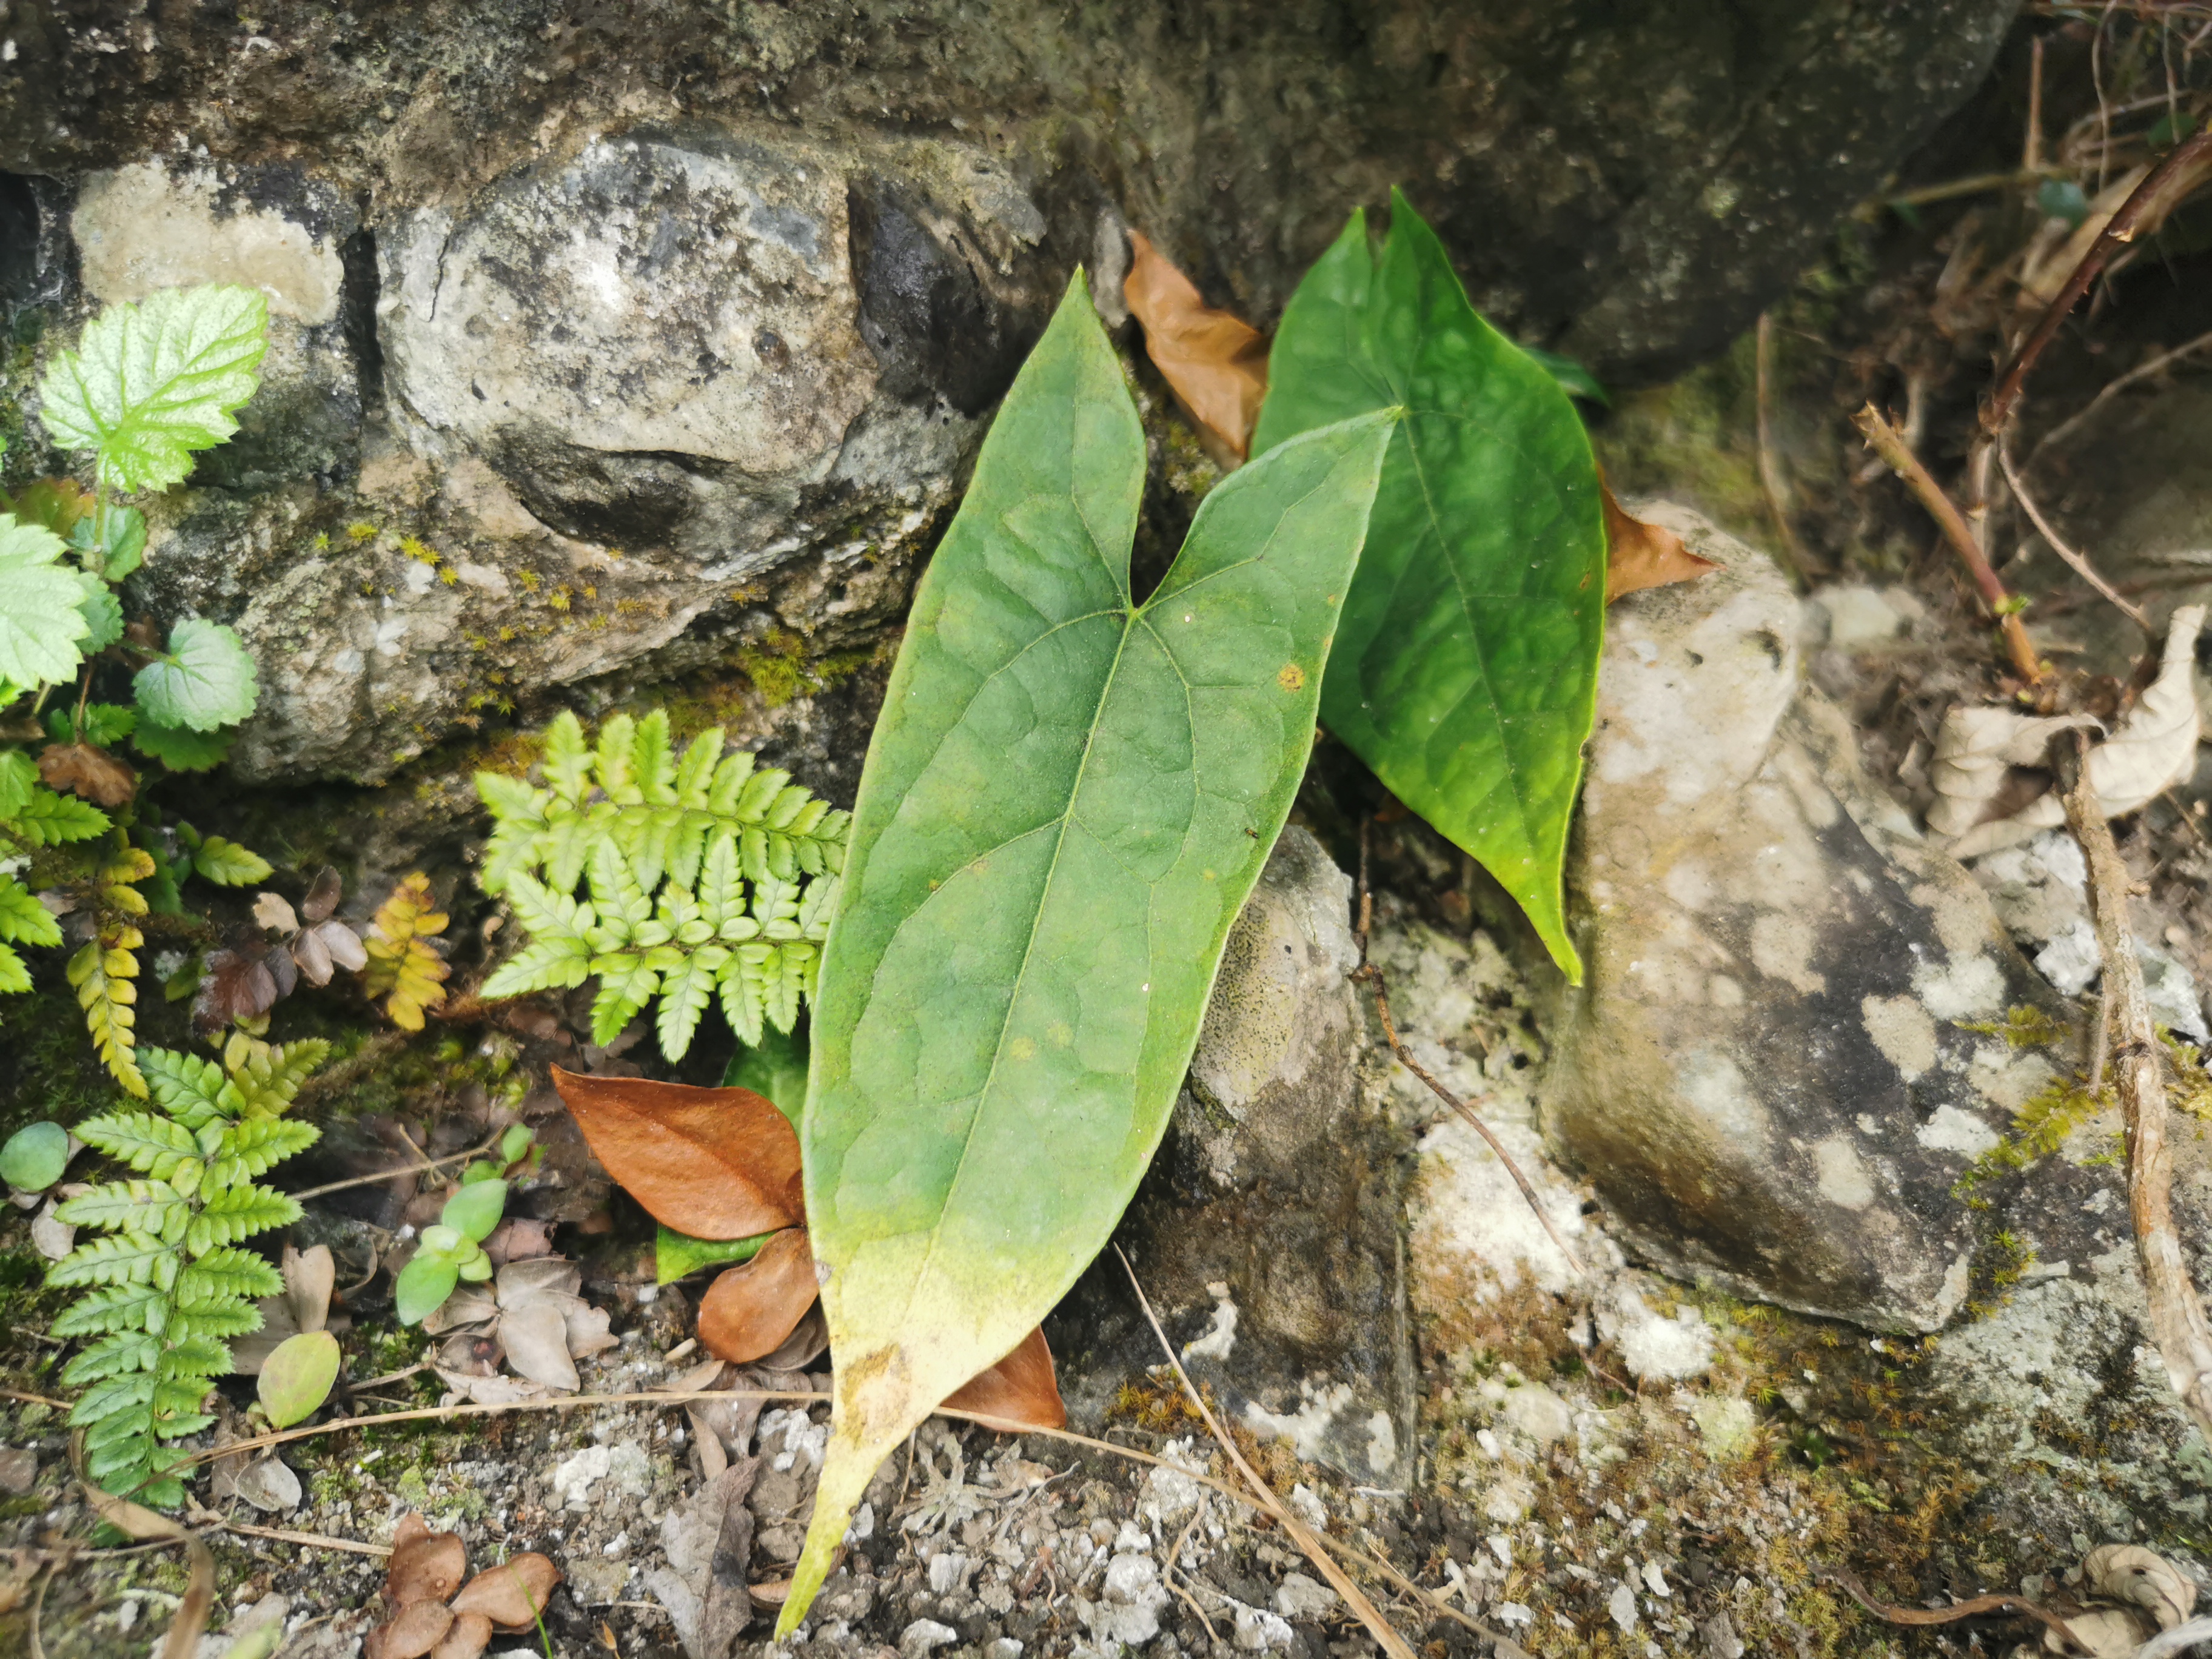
<point>206,680</point>
<point>1465,670</point>
<point>42,629</point>
<point>1066,802</point>
<point>149,384</point>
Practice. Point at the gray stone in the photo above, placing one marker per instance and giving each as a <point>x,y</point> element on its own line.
<point>1631,183</point>
<point>1267,1231</point>
<point>1768,1074</point>
<point>158,224</point>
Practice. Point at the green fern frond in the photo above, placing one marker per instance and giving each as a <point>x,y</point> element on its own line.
<point>173,1286</point>
<point>101,975</point>
<point>23,919</point>
<point>14,972</point>
<point>709,877</point>
<point>49,819</point>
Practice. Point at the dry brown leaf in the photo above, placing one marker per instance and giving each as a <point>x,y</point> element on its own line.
<point>425,1567</point>
<point>404,959</point>
<point>323,896</point>
<point>2150,750</point>
<point>239,983</point>
<point>82,770</point>
<point>469,1634</point>
<point>808,1341</point>
<point>411,1632</point>
<point>535,1337</point>
<point>1640,555</point>
<point>751,1308</point>
<point>274,911</point>
<point>1215,364</point>
<point>1020,1389</point>
<point>511,1596</point>
<point>519,1238</point>
<point>408,1528</point>
<point>2131,1573</point>
<point>711,1163</point>
<point>487,1390</point>
<point>310,1277</point>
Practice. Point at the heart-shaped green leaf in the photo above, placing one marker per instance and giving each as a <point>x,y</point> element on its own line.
<point>297,1376</point>
<point>206,680</point>
<point>1465,671</point>
<point>1066,802</point>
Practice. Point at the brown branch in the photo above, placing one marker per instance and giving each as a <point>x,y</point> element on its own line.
<point>1264,1495</point>
<point>2176,1312</point>
<point>2119,231</point>
<point>1770,470</point>
<point>1978,1606</point>
<point>1373,975</point>
<point>2077,560</point>
<point>1886,441</point>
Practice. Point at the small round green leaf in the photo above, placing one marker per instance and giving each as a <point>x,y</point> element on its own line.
<point>475,1210</point>
<point>423,1285</point>
<point>206,680</point>
<point>481,1170</point>
<point>442,1240</point>
<point>476,1268</point>
<point>34,1157</point>
<point>514,1143</point>
<point>296,1377</point>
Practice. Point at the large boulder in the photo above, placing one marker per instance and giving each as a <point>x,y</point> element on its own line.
<point>585,371</point>
<point>1773,1073</point>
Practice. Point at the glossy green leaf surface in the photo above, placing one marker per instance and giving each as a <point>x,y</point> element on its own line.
<point>1065,801</point>
<point>297,1377</point>
<point>206,680</point>
<point>1465,671</point>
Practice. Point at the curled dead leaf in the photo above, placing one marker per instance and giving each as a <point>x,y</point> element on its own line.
<point>751,1308</point>
<point>1020,1389</point>
<point>409,1633</point>
<point>82,770</point>
<point>2142,1578</point>
<point>711,1163</point>
<point>1216,364</point>
<point>2151,750</point>
<point>1639,554</point>
<point>514,1595</point>
<point>429,1566</point>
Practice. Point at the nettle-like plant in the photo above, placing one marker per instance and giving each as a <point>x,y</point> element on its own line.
<point>149,386</point>
<point>170,1286</point>
<point>709,878</point>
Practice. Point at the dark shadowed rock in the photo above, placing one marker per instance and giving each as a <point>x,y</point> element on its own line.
<point>1770,1074</point>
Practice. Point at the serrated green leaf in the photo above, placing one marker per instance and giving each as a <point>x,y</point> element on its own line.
<point>228,864</point>
<point>106,723</point>
<point>151,1146</point>
<point>219,1318</point>
<point>179,748</point>
<point>1066,799</point>
<point>126,1258</point>
<point>103,617</point>
<point>36,1154</point>
<point>226,1274</point>
<point>238,1212</point>
<point>14,972</point>
<point>151,383</point>
<point>118,1308</point>
<point>205,681</point>
<point>1465,670</point>
<point>19,775</point>
<point>112,1395</point>
<point>126,1351</point>
<point>253,1147</point>
<point>48,819</point>
<point>141,1205</point>
<point>42,629</point>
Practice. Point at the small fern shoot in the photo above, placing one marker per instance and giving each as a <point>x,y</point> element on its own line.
<point>168,1284</point>
<point>710,879</point>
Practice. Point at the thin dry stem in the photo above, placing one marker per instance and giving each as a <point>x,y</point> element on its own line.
<point>1771,483</point>
<point>317,1541</point>
<point>1886,441</point>
<point>1979,1607</point>
<point>2074,557</point>
<point>427,1166</point>
<point>2135,376</point>
<point>1264,1495</point>
<point>2176,1312</point>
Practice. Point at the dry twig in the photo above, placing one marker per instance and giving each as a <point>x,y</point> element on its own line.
<point>2176,1312</point>
<point>1980,1606</point>
<point>1886,442</point>
<point>2078,560</point>
<point>2135,376</point>
<point>1263,1495</point>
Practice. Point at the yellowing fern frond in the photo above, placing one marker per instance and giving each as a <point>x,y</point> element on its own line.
<point>403,967</point>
